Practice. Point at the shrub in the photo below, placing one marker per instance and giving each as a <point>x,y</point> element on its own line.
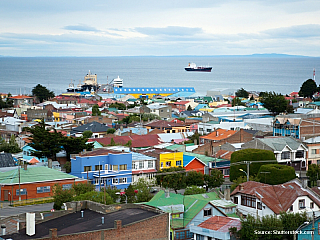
<point>278,174</point>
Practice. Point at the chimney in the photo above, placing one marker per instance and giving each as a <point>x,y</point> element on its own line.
<point>3,230</point>
<point>117,224</point>
<point>195,142</point>
<point>241,187</point>
<point>121,128</point>
<point>304,183</point>
<point>30,223</point>
<point>53,233</point>
<point>49,163</point>
<point>25,166</point>
<point>167,193</point>
<point>130,133</point>
<point>227,194</point>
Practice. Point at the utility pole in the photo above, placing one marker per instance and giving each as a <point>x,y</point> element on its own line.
<point>19,183</point>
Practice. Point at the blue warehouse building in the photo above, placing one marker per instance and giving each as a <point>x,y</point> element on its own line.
<point>104,168</point>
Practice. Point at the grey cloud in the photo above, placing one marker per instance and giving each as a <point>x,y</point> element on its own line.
<point>169,31</point>
<point>81,28</point>
<point>299,31</point>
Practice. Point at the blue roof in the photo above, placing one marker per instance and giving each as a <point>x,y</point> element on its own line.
<point>187,159</point>
<point>153,90</point>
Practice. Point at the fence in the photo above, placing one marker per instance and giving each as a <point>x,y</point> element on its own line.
<point>32,201</point>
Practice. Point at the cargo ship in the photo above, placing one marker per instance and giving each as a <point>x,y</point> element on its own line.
<point>193,67</point>
<point>89,84</point>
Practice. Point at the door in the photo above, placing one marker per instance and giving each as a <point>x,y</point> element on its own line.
<point>6,195</point>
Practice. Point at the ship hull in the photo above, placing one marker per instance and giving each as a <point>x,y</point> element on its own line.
<point>203,69</point>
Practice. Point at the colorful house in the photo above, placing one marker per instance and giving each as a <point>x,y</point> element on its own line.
<point>104,168</point>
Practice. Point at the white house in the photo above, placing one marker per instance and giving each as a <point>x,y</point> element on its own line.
<point>259,199</point>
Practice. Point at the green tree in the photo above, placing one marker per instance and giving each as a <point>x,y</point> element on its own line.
<point>99,197</point>
<point>189,108</point>
<point>275,103</point>
<point>112,142</point>
<point>73,145</point>
<point>191,190</point>
<point>87,134</point>
<point>195,136</point>
<point>61,196</point>
<point>67,167</point>
<point>195,178</point>
<point>215,179</point>
<point>111,131</point>
<point>236,102</point>
<point>291,221</point>
<point>242,179</point>
<point>130,193</point>
<point>242,93</point>
<point>42,93</point>
<point>11,147</point>
<point>95,110</point>
<point>313,173</point>
<point>113,193</point>
<point>143,186</point>
<point>308,88</point>
<point>171,180</point>
<point>82,188</point>
<point>119,106</point>
<point>278,174</point>
<point>251,155</point>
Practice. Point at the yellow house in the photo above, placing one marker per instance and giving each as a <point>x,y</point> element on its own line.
<point>171,159</point>
<point>56,116</point>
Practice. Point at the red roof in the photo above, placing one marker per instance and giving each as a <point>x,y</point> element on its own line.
<point>221,224</point>
<point>144,171</point>
<point>181,103</point>
<point>20,97</point>
<point>137,140</point>
<point>219,134</point>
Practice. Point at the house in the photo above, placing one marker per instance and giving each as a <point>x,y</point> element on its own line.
<point>33,182</point>
<point>216,227</point>
<point>165,158</point>
<point>104,168</point>
<point>98,130</point>
<point>91,220</point>
<point>296,127</point>
<point>161,110</point>
<point>313,145</point>
<point>185,211</point>
<point>167,127</point>
<point>259,199</point>
<point>287,150</point>
<point>21,100</point>
<point>309,230</point>
<point>143,166</point>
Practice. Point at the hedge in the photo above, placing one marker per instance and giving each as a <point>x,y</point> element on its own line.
<point>278,174</point>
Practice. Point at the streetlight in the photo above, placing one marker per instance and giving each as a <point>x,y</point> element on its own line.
<point>123,193</point>
<point>295,235</point>
<point>241,170</point>
<point>313,216</point>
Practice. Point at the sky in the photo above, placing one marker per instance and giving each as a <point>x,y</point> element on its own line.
<point>159,28</point>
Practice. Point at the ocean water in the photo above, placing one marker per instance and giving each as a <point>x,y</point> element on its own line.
<point>278,74</point>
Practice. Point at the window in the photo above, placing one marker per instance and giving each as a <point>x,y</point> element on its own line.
<point>97,167</point>
<point>177,215</point>
<point>235,200</point>
<point>312,205</point>
<point>285,155</point>
<point>122,180</point>
<point>96,181</point>
<point>227,172</point>
<point>189,234</point>
<point>168,164</point>
<point>66,186</point>
<point>140,164</point>
<point>299,154</point>
<point>43,189</point>
<point>291,208</point>
<point>301,204</point>
<point>150,164</point>
<point>114,180</point>
<point>207,212</point>
<point>178,163</point>
<point>115,167</point>
<point>23,191</point>
<point>106,167</point>
<point>248,201</point>
<point>199,237</point>
<point>161,164</point>
<point>314,151</point>
<point>180,235</point>
<point>208,130</point>
<point>87,168</point>
<point>123,167</point>
<point>259,205</point>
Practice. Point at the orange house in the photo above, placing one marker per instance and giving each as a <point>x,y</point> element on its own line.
<point>191,163</point>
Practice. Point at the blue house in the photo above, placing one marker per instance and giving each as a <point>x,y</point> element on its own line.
<point>104,168</point>
<point>306,230</point>
<point>27,154</point>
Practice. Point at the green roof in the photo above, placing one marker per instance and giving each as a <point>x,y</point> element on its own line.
<point>33,174</point>
<point>193,204</point>
<point>203,158</point>
<point>179,147</point>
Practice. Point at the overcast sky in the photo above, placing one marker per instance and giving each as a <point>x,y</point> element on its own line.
<point>160,28</point>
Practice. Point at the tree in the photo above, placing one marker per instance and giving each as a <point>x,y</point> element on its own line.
<point>111,131</point>
<point>113,193</point>
<point>143,186</point>
<point>278,174</point>
<point>191,190</point>
<point>73,145</point>
<point>195,136</point>
<point>87,134</point>
<point>291,221</point>
<point>195,178</point>
<point>130,193</point>
<point>275,103</point>
<point>242,93</point>
<point>119,106</point>
<point>42,93</point>
<point>11,147</point>
<point>249,155</point>
<point>95,110</point>
<point>61,196</point>
<point>82,188</point>
<point>171,180</point>
<point>313,173</point>
<point>236,102</point>
<point>308,88</point>
<point>215,179</point>
<point>189,108</point>
<point>99,197</point>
